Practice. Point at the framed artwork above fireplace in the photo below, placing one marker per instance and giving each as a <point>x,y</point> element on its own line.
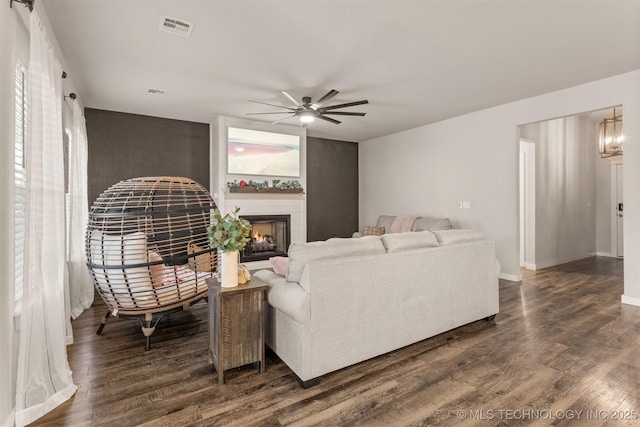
<point>256,152</point>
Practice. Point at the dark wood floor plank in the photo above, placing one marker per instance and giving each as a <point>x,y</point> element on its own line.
<point>561,342</point>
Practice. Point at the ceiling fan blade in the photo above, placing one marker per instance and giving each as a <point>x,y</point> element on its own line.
<point>279,112</point>
<point>278,121</point>
<point>348,104</point>
<point>291,98</point>
<point>273,105</point>
<point>327,96</point>
<point>344,113</point>
<point>329,119</point>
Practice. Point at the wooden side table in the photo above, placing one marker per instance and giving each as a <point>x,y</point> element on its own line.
<point>236,325</point>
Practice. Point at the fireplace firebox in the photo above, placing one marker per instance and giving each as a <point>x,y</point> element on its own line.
<point>270,236</point>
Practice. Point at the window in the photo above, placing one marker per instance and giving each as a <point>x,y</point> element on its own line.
<point>66,142</point>
<point>20,178</point>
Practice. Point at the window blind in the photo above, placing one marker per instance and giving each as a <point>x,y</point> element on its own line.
<point>20,178</point>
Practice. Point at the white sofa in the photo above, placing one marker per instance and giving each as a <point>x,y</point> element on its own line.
<point>421,224</point>
<point>344,301</point>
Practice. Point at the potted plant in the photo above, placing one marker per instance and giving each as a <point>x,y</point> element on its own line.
<point>229,234</point>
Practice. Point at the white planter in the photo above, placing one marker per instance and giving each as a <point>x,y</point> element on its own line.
<point>229,269</point>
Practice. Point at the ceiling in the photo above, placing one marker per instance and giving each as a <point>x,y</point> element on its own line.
<point>417,62</point>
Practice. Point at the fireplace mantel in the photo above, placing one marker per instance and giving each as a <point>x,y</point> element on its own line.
<point>265,196</point>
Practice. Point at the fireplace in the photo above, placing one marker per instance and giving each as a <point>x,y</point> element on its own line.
<point>270,236</point>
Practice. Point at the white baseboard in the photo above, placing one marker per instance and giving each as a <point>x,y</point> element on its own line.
<point>529,266</point>
<point>607,254</point>
<point>551,263</point>
<point>510,277</point>
<point>630,300</point>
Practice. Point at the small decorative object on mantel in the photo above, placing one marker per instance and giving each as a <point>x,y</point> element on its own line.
<point>276,186</point>
<point>229,234</point>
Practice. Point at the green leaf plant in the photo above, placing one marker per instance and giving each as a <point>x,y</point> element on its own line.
<point>229,232</point>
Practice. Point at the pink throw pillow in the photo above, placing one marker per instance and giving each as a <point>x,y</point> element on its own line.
<point>280,265</point>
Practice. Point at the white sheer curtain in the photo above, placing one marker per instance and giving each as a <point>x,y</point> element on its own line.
<point>80,284</point>
<point>44,379</point>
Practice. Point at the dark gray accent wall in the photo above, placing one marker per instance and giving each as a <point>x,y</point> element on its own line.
<point>123,146</point>
<point>332,188</point>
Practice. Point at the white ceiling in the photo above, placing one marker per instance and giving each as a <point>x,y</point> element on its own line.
<point>417,62</point>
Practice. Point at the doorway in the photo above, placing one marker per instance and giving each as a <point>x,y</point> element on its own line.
<point>570,198</point>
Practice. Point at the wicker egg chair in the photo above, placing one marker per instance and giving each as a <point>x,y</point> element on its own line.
<point>148,250</point>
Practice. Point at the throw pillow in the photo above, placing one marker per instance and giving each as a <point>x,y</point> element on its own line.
<point>205,261</point>
<point>157,270</point>
<point>280,265</point>
<point>372,230</point>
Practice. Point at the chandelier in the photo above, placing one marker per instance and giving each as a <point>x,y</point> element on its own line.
<point>611,137</point>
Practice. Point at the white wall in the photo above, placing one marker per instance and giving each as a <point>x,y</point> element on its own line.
<point>566,150</point>
<point>475,157</point>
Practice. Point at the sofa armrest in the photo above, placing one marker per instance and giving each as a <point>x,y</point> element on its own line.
<point>288,297</point>
<point>268,277</point>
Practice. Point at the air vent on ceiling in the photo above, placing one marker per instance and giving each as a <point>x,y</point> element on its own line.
<point>158,92</point>
<point>176,26</point>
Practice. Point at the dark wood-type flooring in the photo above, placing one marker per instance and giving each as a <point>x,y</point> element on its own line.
<point>562,343</point>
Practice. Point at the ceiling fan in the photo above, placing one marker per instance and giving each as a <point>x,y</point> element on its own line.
<point>307,111</point>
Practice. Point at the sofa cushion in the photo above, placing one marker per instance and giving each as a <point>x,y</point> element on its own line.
<point>385,221</point>
<point>287,297</point>
<point>410,240</point>
<point>431,224</point>
<point>449,237</point>
<point>301,253</point>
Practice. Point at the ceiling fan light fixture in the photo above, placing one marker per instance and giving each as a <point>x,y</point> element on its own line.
<point>307,117</point>
<point>611,136</point>
<point>308,111</point>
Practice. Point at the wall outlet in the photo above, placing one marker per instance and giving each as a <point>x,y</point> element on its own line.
<point>466,205</point>
<point>460,205</point>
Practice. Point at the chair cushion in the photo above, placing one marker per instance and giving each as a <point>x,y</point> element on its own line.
<point>125,283</point>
